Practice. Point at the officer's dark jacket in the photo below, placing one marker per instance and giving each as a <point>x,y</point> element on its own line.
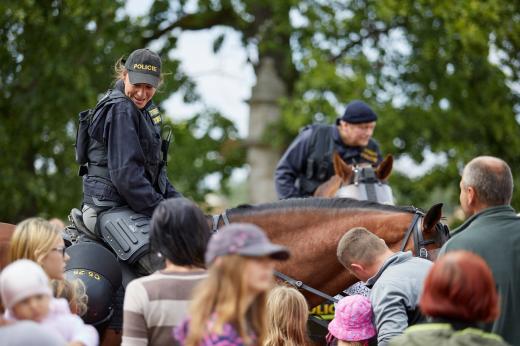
<point>300,171</point>
<point>127,142</point>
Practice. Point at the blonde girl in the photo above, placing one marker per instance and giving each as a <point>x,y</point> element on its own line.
<point>287,313</point>
<point>38,240</point>
<point>229,306</point>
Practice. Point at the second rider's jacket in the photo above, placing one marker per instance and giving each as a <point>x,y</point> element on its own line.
<point>124,158</point>
<point>307,163</point>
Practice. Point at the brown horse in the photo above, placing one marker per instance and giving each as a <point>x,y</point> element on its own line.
<point>344,174</point>
<point>6,231</point>
<point>312,227</point>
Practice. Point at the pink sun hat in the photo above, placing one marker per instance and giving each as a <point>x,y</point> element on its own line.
<point>353,319</point>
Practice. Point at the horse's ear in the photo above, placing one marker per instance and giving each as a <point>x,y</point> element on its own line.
<point>432,217</point>
<point>385,168</point>
<point>341,168</point>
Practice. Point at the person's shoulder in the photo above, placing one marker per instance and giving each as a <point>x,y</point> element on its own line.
<point>473,336</point>
<point>427,333</point>
<point>419,262</point>
<point>125,106</point>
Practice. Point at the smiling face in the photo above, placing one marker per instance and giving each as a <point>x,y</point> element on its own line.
<point>140,94</point>
<point>54,262</point>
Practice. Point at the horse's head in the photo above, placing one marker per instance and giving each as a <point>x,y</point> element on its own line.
<point>426,234</point>
<point>362,182</point>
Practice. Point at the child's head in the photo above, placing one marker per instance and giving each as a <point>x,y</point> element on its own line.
<point>287,313</point>
<point>74,292</point>
<point>353,320</point>
<point>240,259</point>
<point>25,290</point>
<point>38,240</point>
<point>250,243</point>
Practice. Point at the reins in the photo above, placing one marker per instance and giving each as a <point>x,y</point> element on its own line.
<point>414,228</point>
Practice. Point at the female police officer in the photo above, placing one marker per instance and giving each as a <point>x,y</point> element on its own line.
<point>121,151</point>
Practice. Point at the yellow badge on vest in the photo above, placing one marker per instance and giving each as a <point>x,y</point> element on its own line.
<point>369,155</point>
<point>156,115</point>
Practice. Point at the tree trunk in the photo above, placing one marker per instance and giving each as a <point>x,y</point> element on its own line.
<point>264,110</point>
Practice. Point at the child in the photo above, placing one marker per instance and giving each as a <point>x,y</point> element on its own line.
<point>74,292</point>
<point>352,324</point>
<point>287,313</point>
<point>228,308</point>
<point>26,294</point>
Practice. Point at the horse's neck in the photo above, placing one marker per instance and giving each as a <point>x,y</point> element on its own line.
<point>325,227</point>
<point>312,236</point>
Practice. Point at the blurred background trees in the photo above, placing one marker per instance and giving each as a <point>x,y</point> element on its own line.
<point>443,77</point>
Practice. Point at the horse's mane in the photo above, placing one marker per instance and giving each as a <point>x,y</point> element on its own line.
<point>318,203</point>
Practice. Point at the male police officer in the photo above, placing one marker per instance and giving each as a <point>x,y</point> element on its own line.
<point>308,161</point>
<point>119,145</point>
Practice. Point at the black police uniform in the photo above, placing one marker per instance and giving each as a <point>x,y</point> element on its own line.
<point>307,163</point>
<point>125,164</point>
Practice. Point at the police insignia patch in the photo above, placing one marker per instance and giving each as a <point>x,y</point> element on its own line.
<point>156,115</point>
<point>369,155</point>
<point>157,119</point>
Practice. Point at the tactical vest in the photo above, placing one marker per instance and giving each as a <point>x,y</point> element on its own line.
<point>91,153</point>
<point>319,167</point>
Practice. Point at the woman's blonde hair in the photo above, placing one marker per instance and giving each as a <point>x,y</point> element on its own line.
<point>225,294</point>
<point>74,291</point>
<point>287,313</point>
<point>33,239</point>
<point>120,72</point>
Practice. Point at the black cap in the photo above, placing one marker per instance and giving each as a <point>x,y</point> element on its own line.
<point>358,112</point>
<point>144,66</point>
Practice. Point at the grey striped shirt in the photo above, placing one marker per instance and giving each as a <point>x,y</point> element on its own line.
<point>155,304</point>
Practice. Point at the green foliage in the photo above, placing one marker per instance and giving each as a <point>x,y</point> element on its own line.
<point>425,67</point>
<point>56,58</point>
<point>204,145</point>
<point>442,76</point>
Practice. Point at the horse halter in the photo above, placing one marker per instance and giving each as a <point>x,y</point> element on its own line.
<point>415,228</point>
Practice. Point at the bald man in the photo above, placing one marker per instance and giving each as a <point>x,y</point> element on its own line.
<point>492,230</point>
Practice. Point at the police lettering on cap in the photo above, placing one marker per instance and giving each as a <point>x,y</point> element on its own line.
<point>358,112</point>
<point>144,66</point>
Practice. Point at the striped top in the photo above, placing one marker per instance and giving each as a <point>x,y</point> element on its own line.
<point>155,304</point>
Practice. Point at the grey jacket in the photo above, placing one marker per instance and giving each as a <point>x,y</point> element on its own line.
<point>395,294</point>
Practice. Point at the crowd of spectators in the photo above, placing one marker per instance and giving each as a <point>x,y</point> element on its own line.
<point>220,290</point>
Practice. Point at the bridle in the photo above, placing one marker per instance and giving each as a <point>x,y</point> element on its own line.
<point>419,243</point>
<point>415,228</point>
<point>364,184</point>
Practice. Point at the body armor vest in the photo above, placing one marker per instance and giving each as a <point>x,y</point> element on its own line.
<point>319,165</point>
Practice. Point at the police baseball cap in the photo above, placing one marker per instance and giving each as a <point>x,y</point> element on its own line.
<point>144,66</point>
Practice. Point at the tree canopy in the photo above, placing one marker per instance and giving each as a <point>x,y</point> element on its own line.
<point>443,77</point>
<point>56,59</point>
